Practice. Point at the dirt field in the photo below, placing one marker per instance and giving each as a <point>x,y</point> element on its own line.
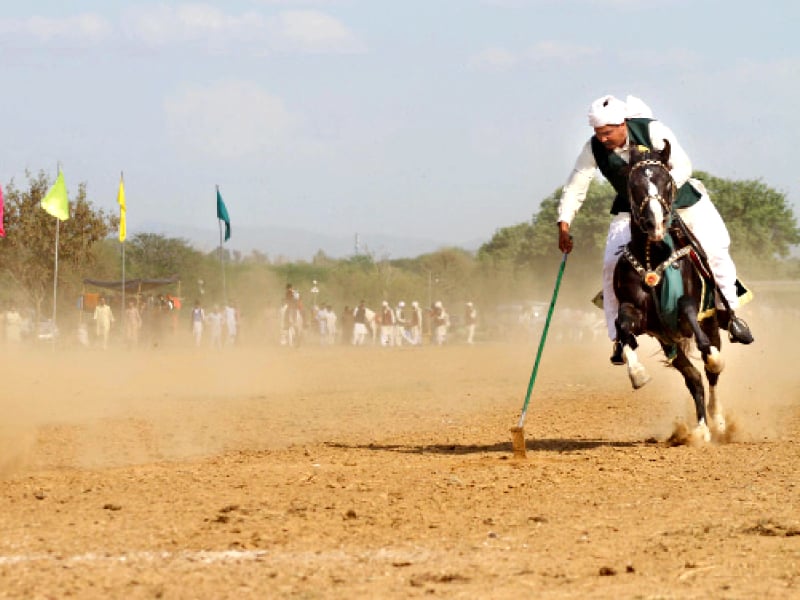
<point>387,473</point>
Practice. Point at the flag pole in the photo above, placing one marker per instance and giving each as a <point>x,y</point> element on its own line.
<point>122,308</point>
<point>55,284</point>
<point>55,272</point>
<point>56,203</point>
<point>222,260</point>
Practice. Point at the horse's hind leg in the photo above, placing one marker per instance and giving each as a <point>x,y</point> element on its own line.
<point>707,338</point>
<point>708,341</point>
<point>715,411</point>
<point>694,382</point>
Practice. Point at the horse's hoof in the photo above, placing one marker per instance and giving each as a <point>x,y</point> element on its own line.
<point>639,376</point>
<point>702,433</point>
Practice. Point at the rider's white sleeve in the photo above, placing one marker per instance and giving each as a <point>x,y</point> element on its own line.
<point>680,164</point>
<point>574,192</point>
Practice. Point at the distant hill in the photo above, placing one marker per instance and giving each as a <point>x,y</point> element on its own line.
<point>299,244</point>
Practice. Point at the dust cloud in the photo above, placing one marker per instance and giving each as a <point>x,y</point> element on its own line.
<point>76,407</point>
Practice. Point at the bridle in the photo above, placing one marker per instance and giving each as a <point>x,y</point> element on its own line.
<point>666,203</point>
<point>651,276</point>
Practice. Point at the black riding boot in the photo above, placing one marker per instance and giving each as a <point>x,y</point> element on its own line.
<point>616,355</point>
<point>738,331</point>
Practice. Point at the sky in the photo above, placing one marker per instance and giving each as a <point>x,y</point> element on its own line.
<point>433,119</point>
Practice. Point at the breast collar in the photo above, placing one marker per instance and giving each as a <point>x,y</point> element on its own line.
<point>652,277</point>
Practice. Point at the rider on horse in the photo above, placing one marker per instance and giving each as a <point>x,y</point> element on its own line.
<point>617,125</point>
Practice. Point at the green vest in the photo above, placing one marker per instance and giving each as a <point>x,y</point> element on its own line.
<point>611,165</point>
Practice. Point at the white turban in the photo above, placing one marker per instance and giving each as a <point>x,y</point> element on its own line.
<point>609,110</point>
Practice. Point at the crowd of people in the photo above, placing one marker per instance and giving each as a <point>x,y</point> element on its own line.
<point>149,321</point>
<point>396,325</point>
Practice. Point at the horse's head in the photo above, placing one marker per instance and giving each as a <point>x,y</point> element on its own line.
<point>651,190</point>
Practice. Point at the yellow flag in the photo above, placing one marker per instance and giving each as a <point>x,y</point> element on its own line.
<point>121,201</point>
<point>55,201</point>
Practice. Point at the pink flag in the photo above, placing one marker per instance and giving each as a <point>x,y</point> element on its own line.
<point>2,228</point>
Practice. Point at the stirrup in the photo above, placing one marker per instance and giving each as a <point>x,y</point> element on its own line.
<point>739,332</point>
<point>616,355</point>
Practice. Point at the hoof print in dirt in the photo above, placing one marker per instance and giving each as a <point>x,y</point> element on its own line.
<point>350,515</point>
<point>607,571</point>
<point>223,514</point>
<point>428,578</point>
<point>111,506</point>
<point>770,528</point>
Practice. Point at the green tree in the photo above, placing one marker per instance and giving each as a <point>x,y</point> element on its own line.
<point>28,252</point>
<point>153,255</point>
<point>762,226</point>
<point>509,246</point>
<point>763,229</point>
<point>526,244</point>
<point>520,261</point>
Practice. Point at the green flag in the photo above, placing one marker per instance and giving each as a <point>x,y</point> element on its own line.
<point>222,215</point>
<point>55,202</point>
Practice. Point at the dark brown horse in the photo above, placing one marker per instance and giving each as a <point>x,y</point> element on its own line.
<point>662,290</point>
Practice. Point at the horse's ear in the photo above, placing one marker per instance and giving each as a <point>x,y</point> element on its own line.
<point>637,153</point>
<point>666,152</point>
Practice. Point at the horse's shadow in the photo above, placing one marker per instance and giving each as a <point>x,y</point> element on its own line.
<point>538,445</point>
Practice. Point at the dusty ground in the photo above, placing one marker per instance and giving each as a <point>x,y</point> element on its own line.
<point>366,472</point>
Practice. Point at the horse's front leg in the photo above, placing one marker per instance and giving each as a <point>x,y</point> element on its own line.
<point>629,321</point>
<point>694,382</point>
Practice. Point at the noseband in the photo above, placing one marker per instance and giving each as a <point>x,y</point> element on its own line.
<point>666,203</point>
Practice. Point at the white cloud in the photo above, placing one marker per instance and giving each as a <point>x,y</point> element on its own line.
<point>509,3</point>
<point>545,52</point>
<point>559,52</point>
<point>312,31</point>
<point>304,31</point>
<point>228,120</point>
<point>302,2</point>
<point>197,25</point>
<point>493,59</point>
<point>84,29</point>
<point>672,58</point>
<point>168,24</point>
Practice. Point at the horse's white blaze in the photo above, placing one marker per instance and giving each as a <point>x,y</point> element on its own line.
<point>658,216</point>
<point>714,362</point>
<point>636,371</point>
<point>652,188</point>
